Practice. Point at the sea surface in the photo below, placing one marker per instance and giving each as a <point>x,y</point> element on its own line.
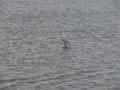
<point>33,34</point>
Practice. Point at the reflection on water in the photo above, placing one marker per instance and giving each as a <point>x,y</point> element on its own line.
<point>59,45</point>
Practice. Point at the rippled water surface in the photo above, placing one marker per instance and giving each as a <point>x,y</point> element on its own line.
<point>59,45</point>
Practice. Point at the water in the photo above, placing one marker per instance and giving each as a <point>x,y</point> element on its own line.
<point>32,56</point>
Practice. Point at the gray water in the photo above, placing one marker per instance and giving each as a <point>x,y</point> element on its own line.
<point>32,56</point>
